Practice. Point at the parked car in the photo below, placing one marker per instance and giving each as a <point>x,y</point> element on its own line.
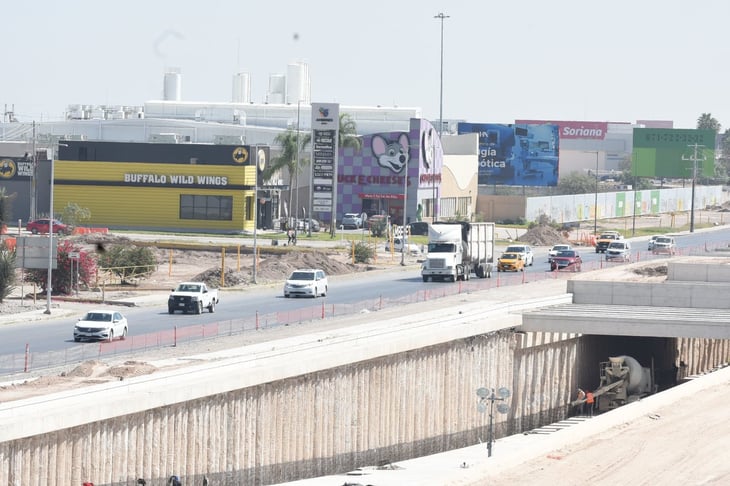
<point>619,250</point>
<point>566,260</point>
<point>41,226</point>
<point>397,246</point>
<point>664,244</point>
<point>557,249</point>
<point>511,262</point>
<point>303,225</point>
<point>309,282</point>
<point>650,246</point>
<point>101,325</point>
<point>525,251</point>
<point>352,221</point>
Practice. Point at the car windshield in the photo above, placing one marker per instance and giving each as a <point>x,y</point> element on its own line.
<point>98,317</point>
<point>510,256</point>
<point>560,247</point>
<point>663,240</point>
<point>302,276</point>
<point>516,249</point>
<point>566,253</point>
<point>616,245</point>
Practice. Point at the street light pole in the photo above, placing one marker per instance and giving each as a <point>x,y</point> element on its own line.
<point>50,240</point>
<point>595,201</point>
<point>405,205</point>
<point>441,16</point>
<point>296,172</point>
<point>694,158</point>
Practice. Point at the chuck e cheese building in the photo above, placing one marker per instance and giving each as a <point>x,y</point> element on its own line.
<point>155,186</point>
<point>390,169</point>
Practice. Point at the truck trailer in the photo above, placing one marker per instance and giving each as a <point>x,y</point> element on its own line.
<point>456,250</point>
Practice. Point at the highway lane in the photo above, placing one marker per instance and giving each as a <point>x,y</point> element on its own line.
<point>347,293</point>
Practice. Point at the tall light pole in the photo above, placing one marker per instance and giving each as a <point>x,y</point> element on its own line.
<point>595,202</point>
<point>49,286</point>
<point>441,16</point>
<point>694,158</point>
<point>405,205</point>
<point>296,172</point>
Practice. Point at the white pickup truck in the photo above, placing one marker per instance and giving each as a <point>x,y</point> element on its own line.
<point>192,297</point>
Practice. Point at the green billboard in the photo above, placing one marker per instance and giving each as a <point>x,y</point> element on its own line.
<point>668,152</point>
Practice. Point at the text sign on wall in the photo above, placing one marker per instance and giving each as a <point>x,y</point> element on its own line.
<point>325,134</point>
<point>668,152</point>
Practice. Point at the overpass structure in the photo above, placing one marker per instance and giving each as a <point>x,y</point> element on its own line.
<point>378,388</point>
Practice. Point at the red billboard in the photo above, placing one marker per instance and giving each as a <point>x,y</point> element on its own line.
<point>584,130</point>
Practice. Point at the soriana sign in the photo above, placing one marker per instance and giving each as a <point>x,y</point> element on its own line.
<point>574,129</point>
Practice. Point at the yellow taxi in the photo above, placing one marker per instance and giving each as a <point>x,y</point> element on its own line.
<point>510,262</point>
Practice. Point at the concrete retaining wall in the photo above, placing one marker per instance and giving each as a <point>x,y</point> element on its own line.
<point>377,411</point>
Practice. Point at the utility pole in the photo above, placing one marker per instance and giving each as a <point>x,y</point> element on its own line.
<point>694,158</point>
<point>441,16</point>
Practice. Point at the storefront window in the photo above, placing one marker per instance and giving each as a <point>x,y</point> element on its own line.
<point>219,208</point>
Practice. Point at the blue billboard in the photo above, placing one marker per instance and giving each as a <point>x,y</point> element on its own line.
<point>516,155</point>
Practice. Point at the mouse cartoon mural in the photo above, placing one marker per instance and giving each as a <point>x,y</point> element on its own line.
<point>391,154</point>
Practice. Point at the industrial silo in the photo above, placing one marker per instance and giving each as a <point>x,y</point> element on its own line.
<point>173,85</point>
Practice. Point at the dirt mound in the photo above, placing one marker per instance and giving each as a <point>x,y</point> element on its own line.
<point>544,236</point>
<point>652,271</point>
<point>276,268</point>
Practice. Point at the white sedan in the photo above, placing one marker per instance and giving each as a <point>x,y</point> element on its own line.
<point>101,325</point>
<point>557,249</point>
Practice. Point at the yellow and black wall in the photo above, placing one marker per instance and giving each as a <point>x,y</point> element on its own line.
<point>155,186</point>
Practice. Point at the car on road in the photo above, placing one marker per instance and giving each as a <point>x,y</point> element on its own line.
<point>525,251</point>
<point>303,225</point>
<point>42,225</point>
<point>652,240</point>
<point>664,244</point>
<point>308,282</point>
<point>352,221</point>
<point>101,325</point>
<point>511,262</point>
<point>557,249</point>
<point>619,250</point>
<point>605,239</point>
<point>566,260</point>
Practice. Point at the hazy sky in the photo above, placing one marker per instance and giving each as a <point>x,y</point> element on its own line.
<point>621,60</point>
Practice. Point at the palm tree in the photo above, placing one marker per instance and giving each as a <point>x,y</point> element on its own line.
<point>707,122</point>
<point>290,155</point>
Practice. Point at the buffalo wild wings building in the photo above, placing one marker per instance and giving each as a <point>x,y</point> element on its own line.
<point>194,187</point>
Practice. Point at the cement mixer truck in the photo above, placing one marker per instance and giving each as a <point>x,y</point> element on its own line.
<point>623,380</point>
<point>456,250</point>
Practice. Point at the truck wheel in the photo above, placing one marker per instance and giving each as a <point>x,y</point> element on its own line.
<point>170,310</point>
<point>199,308</point>
<point>211,307</point>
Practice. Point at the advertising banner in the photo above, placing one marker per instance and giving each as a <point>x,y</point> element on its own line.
<point>516,155</point>
<point>325,135</point>
<point>577,130</point>
<point>673,152</point>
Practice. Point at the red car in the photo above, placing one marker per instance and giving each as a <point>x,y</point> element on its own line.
<point>566,260</point>
<point>41,226</point>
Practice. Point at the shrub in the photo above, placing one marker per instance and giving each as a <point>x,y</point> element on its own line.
<point>7,272</point>
<point>363,252</point>
<point>128,262</point>
<point>62,279</point>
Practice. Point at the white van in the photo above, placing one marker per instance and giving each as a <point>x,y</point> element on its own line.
<point>619,250</point>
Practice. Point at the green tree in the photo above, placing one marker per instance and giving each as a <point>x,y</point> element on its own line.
<point>7,271</point>
<point>74,215</point>
<point>292,145</point>
<point>577,183</point>
<point>722,167</point>
<point>5,206</point>
<point>707,122</point>
<point>129,261</point>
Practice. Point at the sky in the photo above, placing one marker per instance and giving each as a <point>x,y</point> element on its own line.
<point>617,61</point>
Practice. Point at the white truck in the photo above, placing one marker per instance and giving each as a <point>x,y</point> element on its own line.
<point>192,297</point>
<point>456,250</point>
